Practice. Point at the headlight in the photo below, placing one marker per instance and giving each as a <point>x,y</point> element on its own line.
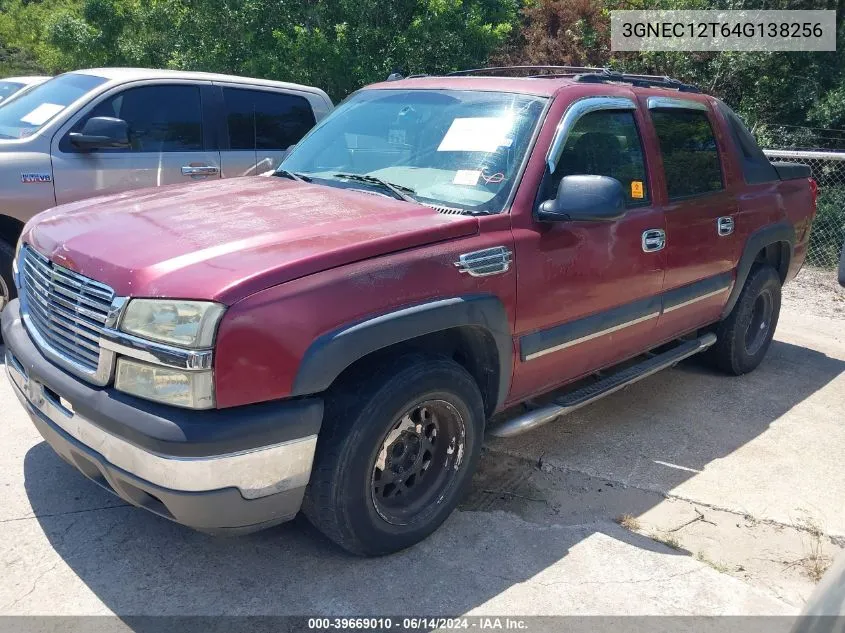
<point>177,387</point>
<point>189,324</point>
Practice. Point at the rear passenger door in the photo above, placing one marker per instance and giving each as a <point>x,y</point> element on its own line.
<point>701,212</point>
<point>261,126</point>
<point>170,142</point>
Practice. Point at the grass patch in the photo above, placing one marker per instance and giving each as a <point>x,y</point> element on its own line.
<point>718,566</point>
<point>667,539</point>
<point>629,522</point>
<point>816,562</point>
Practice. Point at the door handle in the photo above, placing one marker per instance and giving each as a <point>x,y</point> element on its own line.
<point>200,170</point>
<point>725,225</point>
<point>654,240</point>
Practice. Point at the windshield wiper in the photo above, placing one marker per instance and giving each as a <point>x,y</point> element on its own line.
<point>284,173</point>
<point>400,191</point>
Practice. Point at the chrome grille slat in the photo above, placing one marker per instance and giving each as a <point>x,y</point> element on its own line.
<point>61,326</point>
<point>96,320</point>
<point>58,339</point>
<point>68,310</point>
<point>68,329</point>
<point>57,288</point>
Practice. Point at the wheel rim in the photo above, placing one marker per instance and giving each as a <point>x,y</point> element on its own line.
<point>418,461</point>
<point>4,293</point>
<point>759,324</point>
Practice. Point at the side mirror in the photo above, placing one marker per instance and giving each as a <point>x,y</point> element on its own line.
<point>101,132</point>
<point>590,198</point>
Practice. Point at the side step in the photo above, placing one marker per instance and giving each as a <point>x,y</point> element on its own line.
<point>604,387</point>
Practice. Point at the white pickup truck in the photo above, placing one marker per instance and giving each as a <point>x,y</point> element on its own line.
<point>107,130</point>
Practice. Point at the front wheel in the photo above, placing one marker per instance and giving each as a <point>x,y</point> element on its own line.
<point>744,337</point>
<point>395,454</point>
<point>7,284</point>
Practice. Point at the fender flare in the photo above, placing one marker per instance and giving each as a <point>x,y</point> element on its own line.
<point>757,241</point>
<point>333,352</point>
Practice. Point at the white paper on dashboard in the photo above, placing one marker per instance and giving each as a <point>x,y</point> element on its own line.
<point>466,177</point>
<point>42,113</point>
<point>478,134</point>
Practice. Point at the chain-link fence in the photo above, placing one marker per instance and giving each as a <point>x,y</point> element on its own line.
<point>828,232</point>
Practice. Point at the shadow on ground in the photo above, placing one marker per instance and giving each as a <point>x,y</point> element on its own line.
<point>137,563</point>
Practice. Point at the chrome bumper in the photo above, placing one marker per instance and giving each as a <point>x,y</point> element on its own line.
<point>255,473</point>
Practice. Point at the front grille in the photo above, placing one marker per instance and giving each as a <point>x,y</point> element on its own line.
<point>67,310</point>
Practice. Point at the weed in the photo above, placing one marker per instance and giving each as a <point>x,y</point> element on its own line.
<point>629,522</point>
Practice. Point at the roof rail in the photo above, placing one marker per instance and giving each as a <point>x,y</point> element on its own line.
<point>642,81</point>
<point>544,70</point>
<point>584,74</point>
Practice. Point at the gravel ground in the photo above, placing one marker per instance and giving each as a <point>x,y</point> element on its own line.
<point>817,292</point>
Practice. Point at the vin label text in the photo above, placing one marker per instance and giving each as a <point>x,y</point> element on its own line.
<point>745,30</point>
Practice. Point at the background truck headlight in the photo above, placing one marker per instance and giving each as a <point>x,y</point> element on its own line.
<point>189,324</point>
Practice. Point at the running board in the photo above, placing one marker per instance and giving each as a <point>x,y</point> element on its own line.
<point>604,387</point>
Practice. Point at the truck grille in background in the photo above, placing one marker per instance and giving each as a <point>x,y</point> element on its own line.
<point>67,309</point>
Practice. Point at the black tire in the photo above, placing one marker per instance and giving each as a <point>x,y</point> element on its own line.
<point>7,283</point>
<point>343,499</point>
<point>744,337</point>
<point>842,267</point>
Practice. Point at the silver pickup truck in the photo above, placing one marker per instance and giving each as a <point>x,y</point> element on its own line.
<point>107,130</point>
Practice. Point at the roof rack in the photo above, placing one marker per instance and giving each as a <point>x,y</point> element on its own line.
<point>583,74</point>
<point>545,71</point>
<point>642,81</point>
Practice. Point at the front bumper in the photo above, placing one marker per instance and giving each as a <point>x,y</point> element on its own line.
<point>227,470</point>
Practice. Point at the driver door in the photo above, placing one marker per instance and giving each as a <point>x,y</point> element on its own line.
<point>589,292</point>
<point>169,144</point>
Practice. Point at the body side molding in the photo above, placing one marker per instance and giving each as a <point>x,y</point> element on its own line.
<point>590,327</point>
<point>333,352</point>
<point>584,329</point>
<point>696,291</point>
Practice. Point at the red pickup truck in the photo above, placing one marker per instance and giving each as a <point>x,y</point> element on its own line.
<point>333,339</point>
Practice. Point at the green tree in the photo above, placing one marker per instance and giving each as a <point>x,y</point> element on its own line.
<point>336,44</point>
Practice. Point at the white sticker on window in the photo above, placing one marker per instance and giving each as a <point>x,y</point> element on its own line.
<point>480,134</point>
<point>42,113</point>
<point>396,137</point>
<point>466,177</point>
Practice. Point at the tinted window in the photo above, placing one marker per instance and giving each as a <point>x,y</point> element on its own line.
<point>690,157</point>
<point>605,143</point>
<point>259,119</point>
<point>756,167</point>
<point>160,118</point>
<point>24,115</point>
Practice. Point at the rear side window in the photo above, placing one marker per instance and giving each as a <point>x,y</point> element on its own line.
<point>690,157</point>
<point>606,143</point>
<point>160,118</point>
<point>259,119</point>
<point>756,167</point>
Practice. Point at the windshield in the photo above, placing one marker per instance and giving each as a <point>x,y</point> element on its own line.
<point>23,116</point>
<point>453,148</point>
<point>8,88</point>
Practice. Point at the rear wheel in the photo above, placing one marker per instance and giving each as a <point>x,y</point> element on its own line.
<point>743,338</point>
<point>395,455</point>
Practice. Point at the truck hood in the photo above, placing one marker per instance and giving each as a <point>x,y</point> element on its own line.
<point>225,240</point>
